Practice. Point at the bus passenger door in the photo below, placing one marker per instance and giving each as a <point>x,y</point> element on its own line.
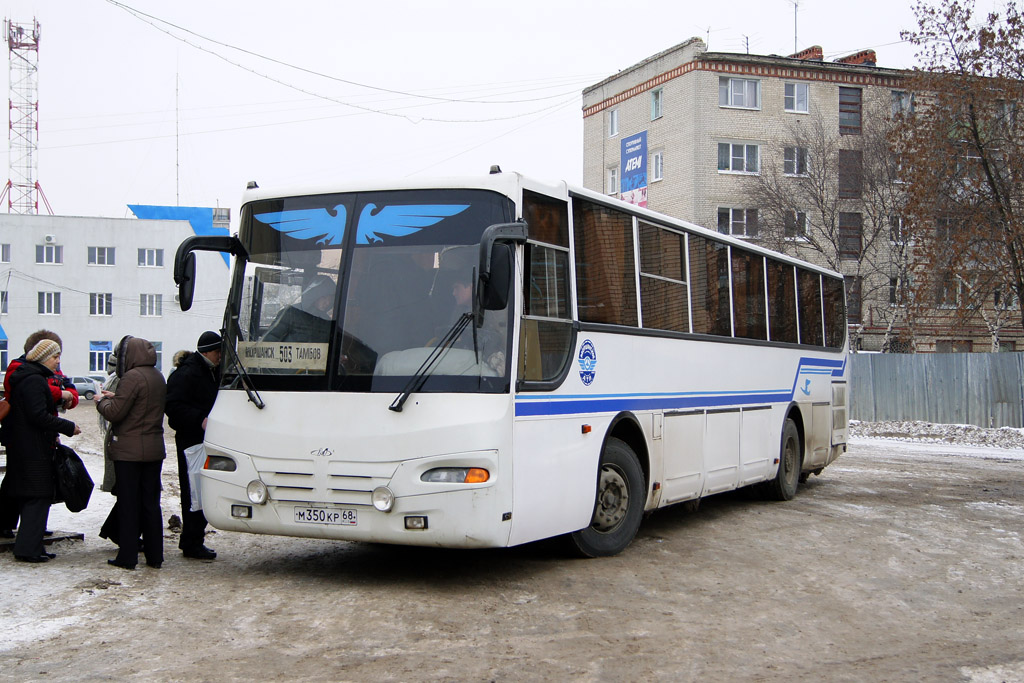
<point>683,458</point>
<point>722,450</point>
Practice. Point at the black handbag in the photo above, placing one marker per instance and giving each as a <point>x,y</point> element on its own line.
<point>74,485</point>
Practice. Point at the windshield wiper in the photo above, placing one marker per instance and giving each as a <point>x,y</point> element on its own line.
<point>416,383</point>
<point>243,376</point>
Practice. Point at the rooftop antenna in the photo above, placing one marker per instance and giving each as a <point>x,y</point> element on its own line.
<point>796,6</point>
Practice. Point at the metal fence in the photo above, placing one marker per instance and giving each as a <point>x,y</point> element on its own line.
<point>983,389</point>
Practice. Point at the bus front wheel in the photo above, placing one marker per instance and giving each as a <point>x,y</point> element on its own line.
<point>618,506</point>
<point>783,486</point>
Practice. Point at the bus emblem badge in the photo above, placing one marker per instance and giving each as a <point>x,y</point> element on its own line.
<point>588,362</point>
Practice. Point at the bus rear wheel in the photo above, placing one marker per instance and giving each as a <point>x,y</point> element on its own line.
<point>618,505</point>
<point>783,486</point>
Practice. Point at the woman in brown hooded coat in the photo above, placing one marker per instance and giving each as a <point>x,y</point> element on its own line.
<point>136,416</point>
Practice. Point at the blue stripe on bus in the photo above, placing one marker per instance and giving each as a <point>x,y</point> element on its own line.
<point>537,405</point>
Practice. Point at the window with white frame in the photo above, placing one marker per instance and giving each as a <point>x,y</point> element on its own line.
<point>5,253</point>
<point>795,225</point>
<point>159,347</point>
<point>613,123</point>
<point>612,179</point>
<point>101,256</point>
<point>744,93</point>
<point>101,303</point>
<point>737,222</point>
<point>738,157</point>
<point>151,258</point>
<point>794,161</point>
<point>151,305</point>
<point>49,303</point>
<point>3,354</point>
<point>49,253</point>
<point>3,302</point>
<point>99,352</point>
<point>657,99</point>
<point>657,165</point>
<point>797,97</point>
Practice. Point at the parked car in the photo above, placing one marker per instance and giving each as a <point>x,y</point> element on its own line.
<point>86,387</point>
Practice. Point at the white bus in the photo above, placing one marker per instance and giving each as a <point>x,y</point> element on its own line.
<point>488,361</point>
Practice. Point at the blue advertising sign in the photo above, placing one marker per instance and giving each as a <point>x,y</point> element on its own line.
<point>634,169</point>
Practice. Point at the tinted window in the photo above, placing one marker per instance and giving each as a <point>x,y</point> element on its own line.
<point>605,274</point>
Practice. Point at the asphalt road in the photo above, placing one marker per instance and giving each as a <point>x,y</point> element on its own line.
<point>894,565</point>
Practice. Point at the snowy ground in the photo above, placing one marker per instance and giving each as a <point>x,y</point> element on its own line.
<point>917,528</point>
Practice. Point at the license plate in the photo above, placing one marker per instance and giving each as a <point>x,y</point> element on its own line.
<point>325,516</point>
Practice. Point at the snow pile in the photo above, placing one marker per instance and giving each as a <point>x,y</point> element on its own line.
<point>927,432</point>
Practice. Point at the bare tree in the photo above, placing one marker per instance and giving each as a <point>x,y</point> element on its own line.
<point>962,151</point>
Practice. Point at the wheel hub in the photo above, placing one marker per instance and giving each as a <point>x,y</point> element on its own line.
<point>612,499</point>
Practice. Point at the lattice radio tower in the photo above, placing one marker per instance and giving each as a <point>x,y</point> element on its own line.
<point>22,190</point>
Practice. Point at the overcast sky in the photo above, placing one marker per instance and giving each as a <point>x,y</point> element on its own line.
<point>187,104</point>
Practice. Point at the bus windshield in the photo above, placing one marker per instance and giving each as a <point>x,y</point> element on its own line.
<point>354,291</point>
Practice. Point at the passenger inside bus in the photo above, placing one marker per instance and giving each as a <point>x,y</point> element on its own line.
<point>309,320</point>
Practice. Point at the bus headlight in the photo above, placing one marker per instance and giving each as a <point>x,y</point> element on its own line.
<point>383,498</point>
<point>257,492</point>
<point>456,475</point>
<point>220,463</point>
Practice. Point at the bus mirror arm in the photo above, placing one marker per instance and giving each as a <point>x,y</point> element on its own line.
<point>185,261</point>
<point>495,267</point>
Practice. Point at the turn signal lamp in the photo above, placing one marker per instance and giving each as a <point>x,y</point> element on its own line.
<point>456,475</point>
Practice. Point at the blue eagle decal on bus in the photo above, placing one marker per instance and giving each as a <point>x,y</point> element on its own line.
<point>588,362</point>
<point>325,226</point>
<point>402,220</point>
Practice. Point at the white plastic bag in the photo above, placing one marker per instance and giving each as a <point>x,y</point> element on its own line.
<point>195,456</point>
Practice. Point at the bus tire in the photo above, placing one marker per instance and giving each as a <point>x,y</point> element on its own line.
<point>618,504</point>
<point>783,486</point>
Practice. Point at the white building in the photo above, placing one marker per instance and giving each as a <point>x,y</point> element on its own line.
<point>94,280</point>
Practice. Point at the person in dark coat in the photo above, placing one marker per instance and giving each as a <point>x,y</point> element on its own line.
<point>191,391</point>
<point>309,321</point>
<point>64,395</point>
<point>30,433</point>
<point>136,416</point>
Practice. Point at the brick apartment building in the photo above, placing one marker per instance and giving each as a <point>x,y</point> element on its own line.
<point>691,133</point>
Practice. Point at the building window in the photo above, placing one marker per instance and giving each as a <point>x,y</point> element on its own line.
<point>101,304</point>
<point>99,352</point>
<point>159,347</point>
<point>953,346</point>
<point>897,292</point>
<point>797,97</point>
<point>151,305</point>
<point>613,181</point>
<point>795,225</point>
<point>737,222</point>
<point>897,231</point>
<point>854,285</point>
<point>851,232</point>
<point>3,354</point>
<point>944,228</point>
<point>3,302</point>
<point>851,173</point>
<point>657,166</point>
<point>5,253</point>
<point>949,291</point>
<point>794,161</point>
<point>49,253</point>
<point>151,258</point>
<point>849,111</point>
<point>1003,298</point>
<point>738,157</point>
<point>49,303</point>
<point>657,97</point>
<point>902,102</point>
<point>744,93</point>
<point>613,123</point>
<point>101,256</point>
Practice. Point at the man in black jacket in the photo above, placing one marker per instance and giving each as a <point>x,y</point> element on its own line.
<point>191,391</point>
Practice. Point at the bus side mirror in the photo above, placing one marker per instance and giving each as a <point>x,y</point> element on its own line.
<point>499,281</point>
<point>187,283</point>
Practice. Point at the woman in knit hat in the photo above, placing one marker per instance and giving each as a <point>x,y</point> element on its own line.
<point>30,433</point>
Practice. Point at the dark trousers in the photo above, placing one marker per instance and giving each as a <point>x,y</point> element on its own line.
<point>138,502</point>
<point>193,524</point>
<point>34,513</point>
<point>8,506</point>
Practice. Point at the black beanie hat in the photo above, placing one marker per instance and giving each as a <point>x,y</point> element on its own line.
<point>208,341</point>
